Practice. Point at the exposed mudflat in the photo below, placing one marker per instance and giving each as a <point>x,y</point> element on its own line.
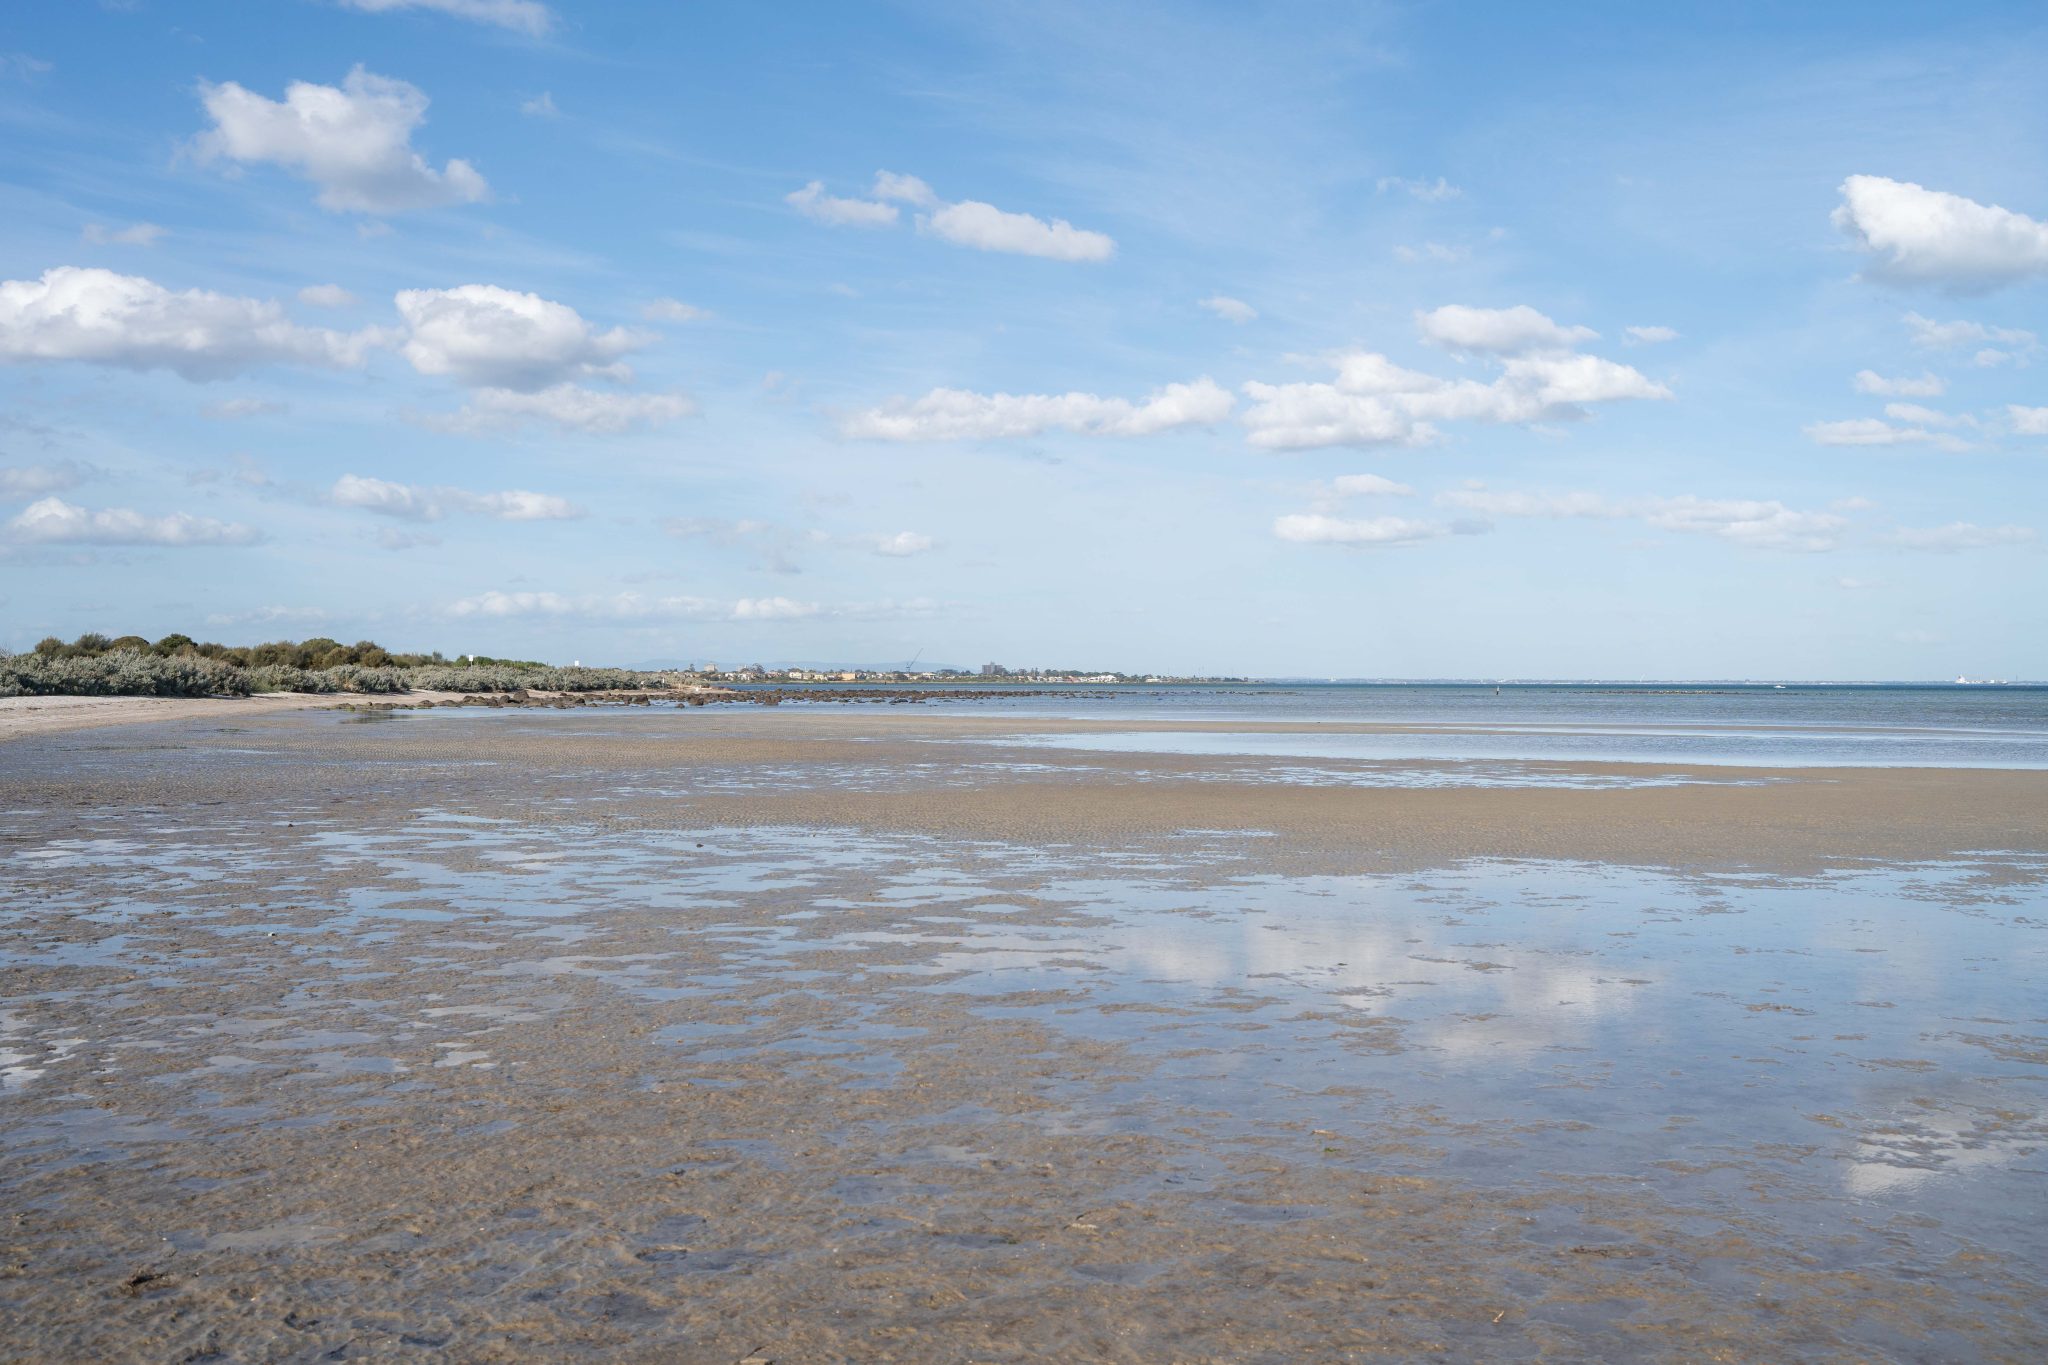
<point>866,1036</point>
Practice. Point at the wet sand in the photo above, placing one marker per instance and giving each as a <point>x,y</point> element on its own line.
<point>859,1036</point>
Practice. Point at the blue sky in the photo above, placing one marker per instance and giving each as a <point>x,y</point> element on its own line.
<point>1404,340</point>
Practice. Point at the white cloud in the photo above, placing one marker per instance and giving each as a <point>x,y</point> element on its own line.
<point>410,502</point>
<point>1960,535</point>
<point>958,414</point>
<point>517,504</point>
<point>1857,584</point>
<point>572,407</point>
<point>540,106</point>
<point>1504,330</point>
<point>28,480</point>
<point>1315,528</point>
<point>1368,486</point>
<point>969,223</point>
<point>53,521</point>
<point>2028,421</point>
<point>354,142</point>
<point>1650,336</point>
<point>1761,525</point>
<point>99,317</point>
<point>1229,309</point>
<point>326,296</point>
<point>988,228</point>
<point>1927,417</point>
<point>1376,402</point>
<point>524,16</point>
<point>384,498</point>
<point>630,606</point>
<point>1429,191</point>
<point>1872,431</point>
<point>901,545</point>
<point>234,409</point>
<point>1758,524</point>
<point>487,336</point>
<point>1931,237</point>
<point>1944,336</point>
<point>907,189</point>
<point>1926,386</point>
<point>136,234</point>
<point>812,202</point>
<point>673,310</point>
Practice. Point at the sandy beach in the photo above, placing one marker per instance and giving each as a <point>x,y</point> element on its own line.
<point>881,1034</point>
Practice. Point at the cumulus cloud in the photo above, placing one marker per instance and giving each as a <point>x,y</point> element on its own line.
<point>2028,421</point>
<point>901,545</point>
<point>540,106</point>
<point>813,203</point>
<point>906,189</point>
<point>1316,528</point>
<point>1960,535</point>
<point>499,338</point>
<point>523,16</point>
<point>958,414</point>
<point>410,502</point>
<point>1229,309</point>
<point>27,480</point>
<point>1429,191</point>
<point>1650,336</point>
<point>572,407</point>
<point>353,141</point>
<point>1918,415</point>
<point>1373,401</point>
<point>136,234</point>
<point>99,317</point>
<point>1926,386</point>
<point>1873,431</point>
<point>234,409</point>
<point>968,223</point>
<point>1923,236</point>
<point>630,606</point>
<point>384,498</point>
<point>1504,330</point>
<point>985,227</point>
<point>1756,523</point>
<point>52,521</point>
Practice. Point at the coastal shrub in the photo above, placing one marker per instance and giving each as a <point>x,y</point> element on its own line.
<point>504,678</point>
<point>356,678</point>
<point>119,673</point>
<point>285,678</point>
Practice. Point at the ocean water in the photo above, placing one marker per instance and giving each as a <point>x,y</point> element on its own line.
<point>1863,725</point>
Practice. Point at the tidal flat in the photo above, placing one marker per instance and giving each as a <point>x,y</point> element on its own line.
<point>893,1035</point>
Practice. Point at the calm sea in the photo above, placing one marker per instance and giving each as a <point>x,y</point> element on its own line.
<point>1882,725</point>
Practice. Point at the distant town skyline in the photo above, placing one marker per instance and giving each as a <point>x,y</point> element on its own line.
<point>1324,340</point>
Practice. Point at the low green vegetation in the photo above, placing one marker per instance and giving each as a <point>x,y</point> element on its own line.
<point>179,666</point>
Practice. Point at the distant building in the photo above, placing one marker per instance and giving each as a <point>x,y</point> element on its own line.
<point>994,671</point>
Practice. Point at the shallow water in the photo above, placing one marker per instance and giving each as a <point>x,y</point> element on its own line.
<point>1853,1070</point>
<point>475,1058</point>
